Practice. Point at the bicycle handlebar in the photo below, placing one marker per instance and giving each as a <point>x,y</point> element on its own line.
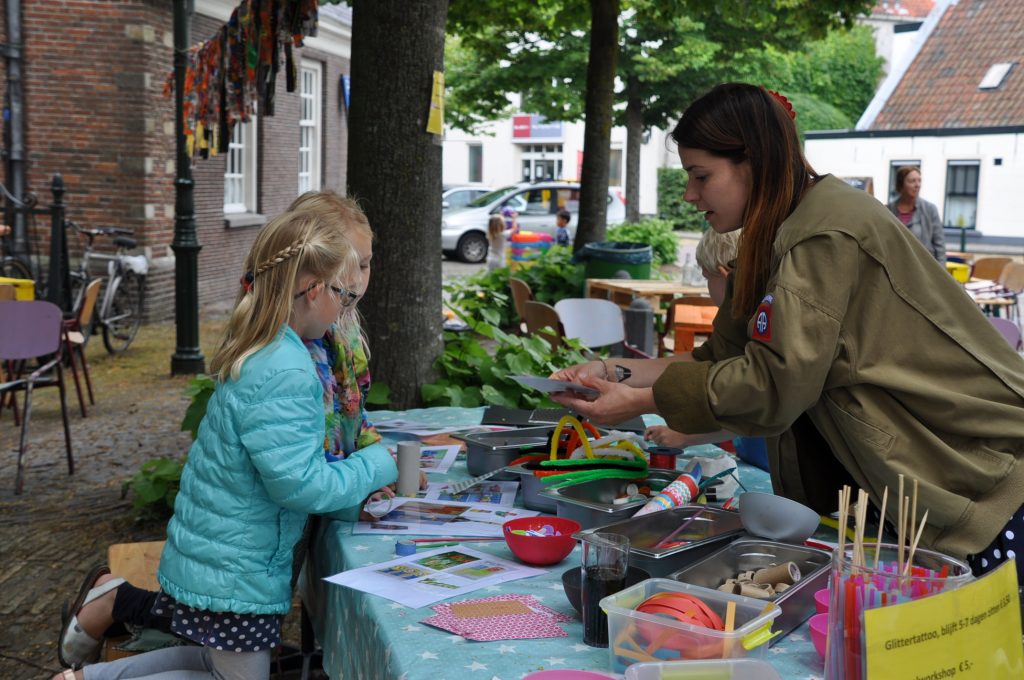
<point>100,231</point>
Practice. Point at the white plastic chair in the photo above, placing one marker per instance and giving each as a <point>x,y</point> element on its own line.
<point>594,322</point>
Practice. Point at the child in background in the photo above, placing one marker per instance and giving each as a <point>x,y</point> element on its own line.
<point>562,227</point>
<point>511,220</point>
<point>259,459</point>
<point>715,254</point>
<point>495,243</point>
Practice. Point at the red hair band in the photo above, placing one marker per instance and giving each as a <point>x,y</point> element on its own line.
<point>785,103</point>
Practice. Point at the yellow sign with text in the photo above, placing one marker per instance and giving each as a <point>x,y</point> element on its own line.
<point>435,121</point>
<point>971,632</point>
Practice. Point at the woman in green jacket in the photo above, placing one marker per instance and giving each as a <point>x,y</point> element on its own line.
<point>840,339</point>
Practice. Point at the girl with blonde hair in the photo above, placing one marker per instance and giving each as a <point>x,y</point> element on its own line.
<point>257,468</point>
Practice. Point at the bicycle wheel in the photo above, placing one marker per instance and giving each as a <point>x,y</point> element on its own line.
<point>124,315</point>
<point>13,268</point>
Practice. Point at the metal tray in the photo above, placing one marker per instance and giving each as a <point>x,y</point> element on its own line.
<point>531,488</point>
<point>592,503</point>
<point>797,603</point>
<point>664,542</point>
<point>486,451</point>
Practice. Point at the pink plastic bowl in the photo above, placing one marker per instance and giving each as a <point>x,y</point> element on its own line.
<point>541,550</point>
<point>821,601</point>
<point>819,633</point>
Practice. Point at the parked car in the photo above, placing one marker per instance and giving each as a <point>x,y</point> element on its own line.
<point>464,230</point>
<point>457,196</point>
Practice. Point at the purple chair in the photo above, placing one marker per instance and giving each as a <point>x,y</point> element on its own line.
<point>1009,329</point>
<point>31,330</point>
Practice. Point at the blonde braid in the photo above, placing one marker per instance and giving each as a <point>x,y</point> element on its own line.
<point>282,255</point>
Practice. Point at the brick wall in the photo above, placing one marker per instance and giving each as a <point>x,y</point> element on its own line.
<point>96,112</point>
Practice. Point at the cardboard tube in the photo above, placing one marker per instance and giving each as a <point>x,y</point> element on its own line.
<point>730,586</point>
<point>787,573</point>
<point>761,592</point>
<point>408,468</point>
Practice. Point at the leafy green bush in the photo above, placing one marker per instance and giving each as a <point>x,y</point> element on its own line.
<point>655,233</point>
<point>671,206</point>
<point>485,296</point>
<point>473,376</point>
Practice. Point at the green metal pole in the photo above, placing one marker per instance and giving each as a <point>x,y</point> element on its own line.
<point>187,358</point>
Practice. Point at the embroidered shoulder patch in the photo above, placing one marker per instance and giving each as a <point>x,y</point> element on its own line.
<point>763,319</point>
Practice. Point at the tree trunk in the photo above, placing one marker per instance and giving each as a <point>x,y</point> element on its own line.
<point>634,139</point>
<point>601,65</point>
<point>394,171</point>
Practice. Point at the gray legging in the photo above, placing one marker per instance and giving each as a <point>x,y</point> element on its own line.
<point>185,663</point>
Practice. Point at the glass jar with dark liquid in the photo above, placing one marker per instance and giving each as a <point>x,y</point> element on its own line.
<point>605,560</point>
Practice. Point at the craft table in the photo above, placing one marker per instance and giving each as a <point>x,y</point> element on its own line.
<point>365,636</point>
<point>655,291</point>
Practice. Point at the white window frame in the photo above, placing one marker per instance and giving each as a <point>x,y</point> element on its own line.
<point>311,127</point>
<point>241,146</point>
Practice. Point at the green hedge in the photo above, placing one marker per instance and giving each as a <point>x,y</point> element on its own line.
<point>671,206</point>
<point>656,233</point>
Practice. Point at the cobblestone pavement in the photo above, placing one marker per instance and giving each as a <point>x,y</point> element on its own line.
<point>61,524</point>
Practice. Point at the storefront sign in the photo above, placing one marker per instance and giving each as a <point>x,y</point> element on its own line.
<point>533,126</point>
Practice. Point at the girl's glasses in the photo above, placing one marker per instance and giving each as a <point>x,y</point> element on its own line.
<point>345,296</point>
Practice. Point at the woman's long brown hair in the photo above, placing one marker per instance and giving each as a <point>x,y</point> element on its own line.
<point>742,122</point>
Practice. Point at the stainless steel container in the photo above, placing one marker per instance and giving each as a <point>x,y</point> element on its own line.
<point>664,542</point>
<point>593,503</point>
<point>486,451</point>
<point>746,554</point>
<point>531,488</point>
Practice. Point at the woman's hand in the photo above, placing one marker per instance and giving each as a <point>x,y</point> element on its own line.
<point>665,436</point>
<point>591,369</point>
<point>615,403</point>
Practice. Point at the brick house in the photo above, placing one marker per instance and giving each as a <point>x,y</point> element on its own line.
<point>955,107</point>
<point>95,111</point>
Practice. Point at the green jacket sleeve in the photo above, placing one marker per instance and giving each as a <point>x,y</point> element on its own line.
<point>785,364</point>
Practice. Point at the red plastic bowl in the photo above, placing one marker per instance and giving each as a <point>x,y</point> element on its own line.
<point>541,550</point>
<point>819,633</point>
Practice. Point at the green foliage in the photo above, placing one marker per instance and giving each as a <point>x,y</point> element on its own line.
<point>473,376</point>
<point>656,233</point>
<point>154,487</point>
<point>841,70</point>
<point>485,296</point>
<point>200,389</point>
<point>379,395</point>
<point>814,114</point>
<point>671,206</point>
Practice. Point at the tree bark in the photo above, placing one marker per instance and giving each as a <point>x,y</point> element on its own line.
<point>601,65</point>
<point>634,140</point>
<point>394,171</point>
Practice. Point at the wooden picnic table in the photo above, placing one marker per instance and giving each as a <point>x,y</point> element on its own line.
<point>655,291</point>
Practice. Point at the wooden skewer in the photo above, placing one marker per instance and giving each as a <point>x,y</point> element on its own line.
<point>899,529</point>
<point>913,548</point>
<point>913,511</point>
<point>842,528</point>
<point>881,526</point>
<point>906,513</point>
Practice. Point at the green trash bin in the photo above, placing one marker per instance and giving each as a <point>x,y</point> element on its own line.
<point>606,259</point>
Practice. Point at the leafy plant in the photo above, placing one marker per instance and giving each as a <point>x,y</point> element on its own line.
<point>473,376</point>
<point>155,486</point>
<point>671,206</point>
<point>656,233</point>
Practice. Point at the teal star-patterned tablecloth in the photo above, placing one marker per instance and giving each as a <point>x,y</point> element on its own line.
<point>367,637</point>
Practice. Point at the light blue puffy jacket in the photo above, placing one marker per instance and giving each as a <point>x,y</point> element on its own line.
<point>254,473</point>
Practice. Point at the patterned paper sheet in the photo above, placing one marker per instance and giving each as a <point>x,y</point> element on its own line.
<point>528,621</point>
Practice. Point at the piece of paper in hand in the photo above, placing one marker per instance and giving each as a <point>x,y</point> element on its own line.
<point>549,386</point>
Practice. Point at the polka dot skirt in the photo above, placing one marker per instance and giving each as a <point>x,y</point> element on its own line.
<point>1007,545</point>
<point>225,631</point>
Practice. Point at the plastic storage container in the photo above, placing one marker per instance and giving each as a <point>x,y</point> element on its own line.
<point>719,669</point>
<point>24,289</point>
<point>636,636</point>
<point>604,260</point>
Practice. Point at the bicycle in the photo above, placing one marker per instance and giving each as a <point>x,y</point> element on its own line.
<point>119,310</point>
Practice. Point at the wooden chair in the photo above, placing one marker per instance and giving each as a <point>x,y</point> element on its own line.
<point>687,317</point>
<point>34,330</point>
<point>8,292</point>
<point>1012,280</point>
<point>540,315</point>
<point>989,268</point>
<point>521,294</point>
<point>76,333</point>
